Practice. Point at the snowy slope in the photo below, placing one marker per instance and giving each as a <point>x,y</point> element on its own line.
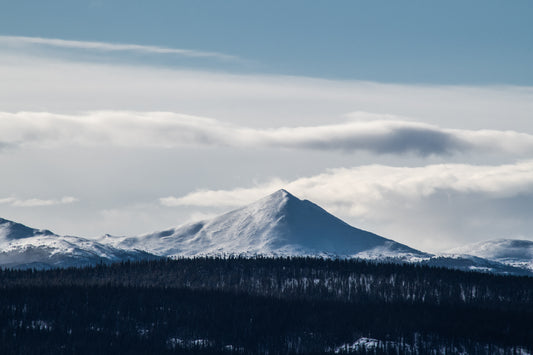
<point>283,225</point>
<point>25,247</point>
<point>279,224</point>
<point>467,262</point>
<point>514,252</point>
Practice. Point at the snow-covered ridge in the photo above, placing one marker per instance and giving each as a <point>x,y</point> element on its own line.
<point>277,225</point>
<point>24,247</point>
<point>514,252</point>
<point>11,231</point>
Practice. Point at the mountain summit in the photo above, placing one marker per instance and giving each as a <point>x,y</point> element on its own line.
<point>279,224</point>
<point>10,230</point>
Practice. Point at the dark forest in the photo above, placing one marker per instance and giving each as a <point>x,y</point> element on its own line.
<point>264,306</point>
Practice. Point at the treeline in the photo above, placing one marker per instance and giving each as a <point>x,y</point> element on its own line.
<point>299,277</point>
<point>263,306</point>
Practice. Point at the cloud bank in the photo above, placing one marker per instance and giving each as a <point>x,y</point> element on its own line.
<point>173,130</point>
<point>353,188</point>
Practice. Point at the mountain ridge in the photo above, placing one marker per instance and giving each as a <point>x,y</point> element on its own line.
<point>515,252</point>
<point>278,225</point>
<point>26,247</point>
<point>19,230</point>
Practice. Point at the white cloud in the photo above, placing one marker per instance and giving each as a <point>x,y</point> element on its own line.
<point>7,200</point>
<point>37,202</point>
<point>105,46</point>
<point>353,188</point>
<point>31,83</point>
<point>223,198</point>
<point>171,130</point>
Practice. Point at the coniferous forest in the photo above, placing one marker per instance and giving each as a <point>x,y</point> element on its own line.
<point>264,306</point>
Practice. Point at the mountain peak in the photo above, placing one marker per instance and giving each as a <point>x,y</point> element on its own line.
<point>281,194</point>
<point>284,193</point>
<point>278,224</point>
<point>276,203</point>
<point>13,230</point>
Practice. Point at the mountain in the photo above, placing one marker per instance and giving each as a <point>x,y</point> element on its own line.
<point>277,225</point>
<point>283,225</point>
<point>12,231</point>
<point>25,247</point>
<point>514,252</point>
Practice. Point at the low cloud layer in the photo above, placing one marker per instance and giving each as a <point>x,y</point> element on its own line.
<point>37,202</point>
<point>353,188</point>
<point>173,130</point>
<point>105,46</point>
<point>432,207</point>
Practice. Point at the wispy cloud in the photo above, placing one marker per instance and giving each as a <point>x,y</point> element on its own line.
<point>224,198</point>
<point>105,46</point>
<point>37,202</point>
<point>172,130</point>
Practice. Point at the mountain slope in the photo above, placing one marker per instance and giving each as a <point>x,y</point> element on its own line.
<point>279,224</point>
<point>25,247</point>
<point>11,231</point>
<point>514,252</point>
<point>283,225</point>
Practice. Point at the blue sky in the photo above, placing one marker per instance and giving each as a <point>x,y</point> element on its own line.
<point>439,42</point>
<point>410,119</point>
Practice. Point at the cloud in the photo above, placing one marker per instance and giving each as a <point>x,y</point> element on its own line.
<point>173,130</point>
<point>353,187</point>
<point>36,202</point>
<point>36,83</point>
<point>432,207</point>
<point>223,198</point>
<point>114,47</point>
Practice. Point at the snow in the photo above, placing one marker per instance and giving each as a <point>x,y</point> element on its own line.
<point>370,345</point>
<point>277,225</point>
<point>180,343</point>
<point>23,247</point>
<point>359,344</point>
<point>514,252</point>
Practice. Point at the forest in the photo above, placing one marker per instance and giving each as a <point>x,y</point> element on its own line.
<point>264,306</point>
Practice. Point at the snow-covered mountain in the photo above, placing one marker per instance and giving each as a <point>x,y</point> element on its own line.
<point>283,225</point>
<point>514,252</point>
<point>277,225</point>
<point>25,247</point>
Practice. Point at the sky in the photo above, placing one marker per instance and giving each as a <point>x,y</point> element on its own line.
<point>413,120</point>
